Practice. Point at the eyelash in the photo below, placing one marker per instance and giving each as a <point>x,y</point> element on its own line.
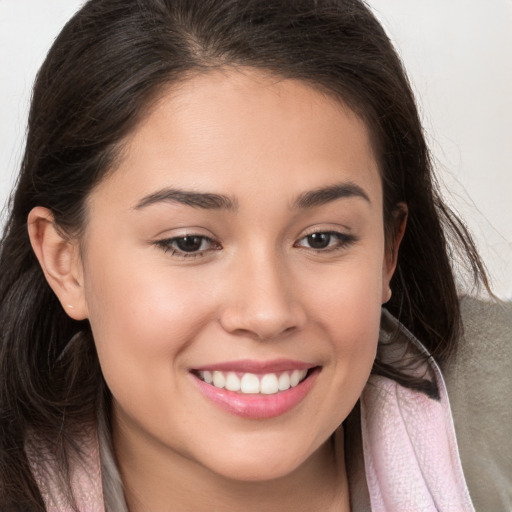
<point>168,245</point>
<point>343,241</point>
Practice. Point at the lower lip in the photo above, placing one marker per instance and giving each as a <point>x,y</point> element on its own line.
<point>258,406</point>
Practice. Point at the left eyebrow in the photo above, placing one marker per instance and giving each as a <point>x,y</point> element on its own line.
<point>324,195</point>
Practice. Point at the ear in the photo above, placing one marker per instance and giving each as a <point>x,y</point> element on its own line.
<point>392,246</point>
<point>59,257</point>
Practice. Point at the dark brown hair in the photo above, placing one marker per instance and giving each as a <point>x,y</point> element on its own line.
<point>100,77</point>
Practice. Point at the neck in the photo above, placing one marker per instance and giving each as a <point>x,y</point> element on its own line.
<point>159,480</point>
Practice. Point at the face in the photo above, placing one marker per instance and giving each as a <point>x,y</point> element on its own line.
<point>240,239</point>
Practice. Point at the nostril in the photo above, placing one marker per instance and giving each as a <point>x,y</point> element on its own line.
<point>290,329</point>
<point>260,323</point>
<point>265,308</point>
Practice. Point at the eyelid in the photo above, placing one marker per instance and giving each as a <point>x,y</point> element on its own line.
<point>344,240</point>
<point>166,244</point>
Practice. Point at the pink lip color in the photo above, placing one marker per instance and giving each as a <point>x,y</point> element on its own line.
<point>257,406</point>
<point>257,367</point>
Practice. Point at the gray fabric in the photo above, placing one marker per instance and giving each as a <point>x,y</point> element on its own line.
<point>354,460</point>
<point>479,382</point>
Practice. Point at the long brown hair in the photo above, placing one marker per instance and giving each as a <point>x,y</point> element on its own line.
<point>100,77</point>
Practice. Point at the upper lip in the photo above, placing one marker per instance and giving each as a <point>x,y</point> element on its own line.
<point>252,366</point>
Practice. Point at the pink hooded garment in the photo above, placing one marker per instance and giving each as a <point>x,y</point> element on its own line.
<point>411,460</point>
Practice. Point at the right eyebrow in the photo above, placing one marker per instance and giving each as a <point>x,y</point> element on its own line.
<point>204,200</point>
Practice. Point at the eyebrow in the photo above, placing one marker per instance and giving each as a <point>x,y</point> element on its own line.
<point>324,195</point>
<point>211,201</point>
<point>204,200</point>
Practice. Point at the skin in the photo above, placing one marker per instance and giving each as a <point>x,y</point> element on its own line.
<point>258,290</point>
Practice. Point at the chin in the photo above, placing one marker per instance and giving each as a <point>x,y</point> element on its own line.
<point>243,471</point>
<point>260,463</point>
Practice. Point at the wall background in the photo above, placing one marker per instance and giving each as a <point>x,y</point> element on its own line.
<point>459,57</point>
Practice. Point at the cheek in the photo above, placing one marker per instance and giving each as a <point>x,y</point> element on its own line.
<point>142,318</point>
<point>348,310</point>
<point>348,299</point>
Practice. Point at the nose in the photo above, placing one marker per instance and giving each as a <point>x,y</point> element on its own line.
<point>263,300</point>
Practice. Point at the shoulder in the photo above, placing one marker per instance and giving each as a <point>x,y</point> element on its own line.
<point>479,383</point>
<point>409,444</point>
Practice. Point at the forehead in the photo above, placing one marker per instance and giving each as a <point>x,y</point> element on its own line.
<point>228,129</point>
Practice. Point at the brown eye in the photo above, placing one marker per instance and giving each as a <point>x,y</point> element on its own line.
<point>319,240</point>
<point>189,243</point>
<point>325,241</point>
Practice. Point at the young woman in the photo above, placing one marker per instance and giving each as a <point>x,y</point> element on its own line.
<point>216,199</point>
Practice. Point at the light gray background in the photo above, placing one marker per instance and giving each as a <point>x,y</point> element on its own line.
<point>459,57</point>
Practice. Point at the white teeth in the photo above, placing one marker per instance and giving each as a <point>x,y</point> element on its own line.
<point>269,384</point>
<point>284,381</point>
<point>219,380</point>
<point>250,383</point>
<point>232,382</point>
<point>294,378</point>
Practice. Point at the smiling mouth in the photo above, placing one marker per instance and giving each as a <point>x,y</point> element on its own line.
<point>253,383</point>
<point>254,390</point>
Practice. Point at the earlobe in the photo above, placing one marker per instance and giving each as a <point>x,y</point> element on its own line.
<point>392,247</point>
<point>59,258</point>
